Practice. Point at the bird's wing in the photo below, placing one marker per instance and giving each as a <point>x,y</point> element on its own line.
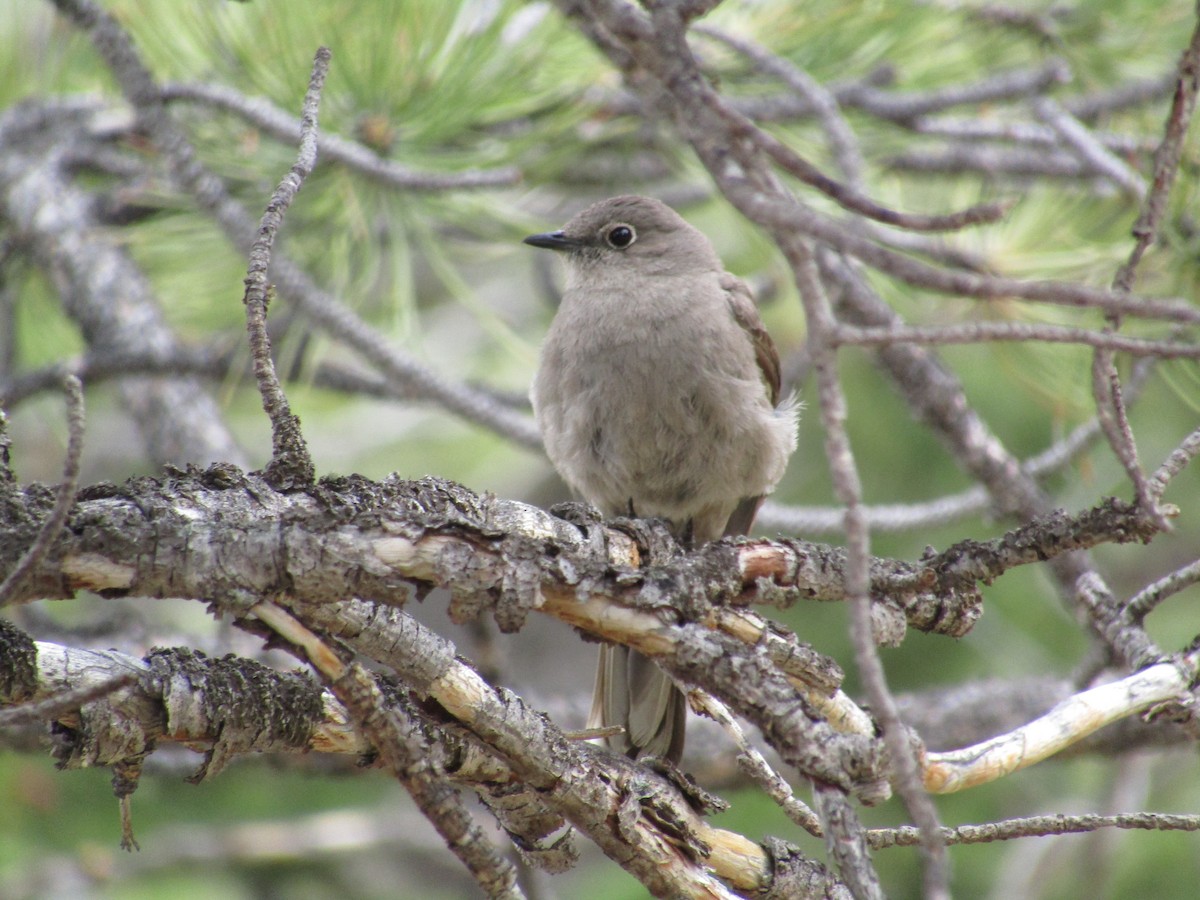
<point>745,313</point>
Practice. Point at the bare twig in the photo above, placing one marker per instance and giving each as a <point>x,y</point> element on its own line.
<point>843,143</point>
<point>938,399</point>
<point>1042,24</point>
<point>883,517</point>
<point>849,490</point>
<point>868,94</point>
<point>1147,599</point>
<point>1036,826</point>
<point>905,106</point>
<point>48,534</point>
<point>755,765</point>
<point>1126,639</point>
<point>845,150</point>
<point>1135,92</point>
<point>1176,461</point>
<point>281,125</point>
<point>291,466</point>
<point>846,195</point>
<point>55,706</point>
<point>1114,423</point>
<point>1020,132</point>
<point>980,332</point>
<point>1166,159</point>
<point>782,213</point>
<point>217,361</point>
<point>1098,157</point>
<point>1016,163</point>
<point>103,364</point>
<point>822,327</point>
<point>794,164</point>
<point>912,516</point>
<point>1106,384</point>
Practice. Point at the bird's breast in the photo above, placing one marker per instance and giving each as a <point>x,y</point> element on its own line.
<point>657,399</point>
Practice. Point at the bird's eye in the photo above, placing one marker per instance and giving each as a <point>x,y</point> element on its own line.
<point>620,236</point>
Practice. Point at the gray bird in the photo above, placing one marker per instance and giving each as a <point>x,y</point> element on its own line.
<point>657,395</point>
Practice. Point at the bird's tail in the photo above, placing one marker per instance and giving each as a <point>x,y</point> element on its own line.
<point>634,693</point>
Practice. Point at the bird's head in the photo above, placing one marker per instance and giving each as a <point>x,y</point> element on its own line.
<point>631,233</point>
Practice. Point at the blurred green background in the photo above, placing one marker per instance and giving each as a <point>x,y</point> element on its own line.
<point>445,86</point>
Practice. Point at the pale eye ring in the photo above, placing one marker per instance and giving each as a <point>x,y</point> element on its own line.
<point>620,236</point>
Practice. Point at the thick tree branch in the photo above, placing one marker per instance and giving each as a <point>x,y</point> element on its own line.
<point>223,537</point>
<point>394,536</point>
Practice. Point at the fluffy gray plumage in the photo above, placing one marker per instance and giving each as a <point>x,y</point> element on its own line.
<point>657,395</point>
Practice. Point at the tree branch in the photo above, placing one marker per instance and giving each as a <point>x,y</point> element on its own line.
<point>291,465</point>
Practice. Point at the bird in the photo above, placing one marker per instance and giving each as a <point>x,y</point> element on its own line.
<point>657,395</point>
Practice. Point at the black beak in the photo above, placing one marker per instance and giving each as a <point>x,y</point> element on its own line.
<point>552,240</point>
